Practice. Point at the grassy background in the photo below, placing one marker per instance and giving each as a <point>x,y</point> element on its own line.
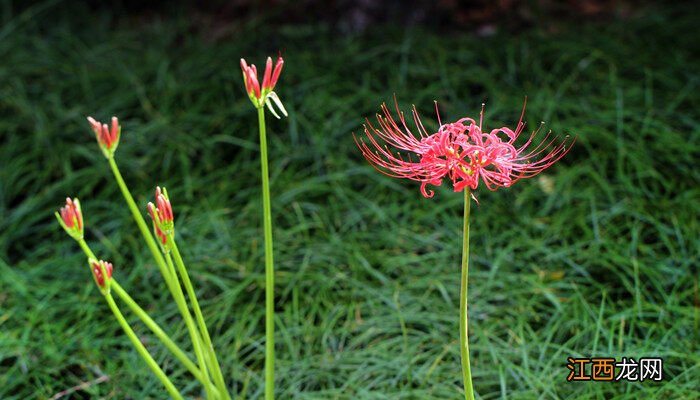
<point>597,257</point>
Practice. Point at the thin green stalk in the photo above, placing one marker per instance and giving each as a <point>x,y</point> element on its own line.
<point>269,265</point>
<point>151,324</point>
<point>86,249</point>
<point>213,361</point>
<point>142,350</point>
<point>168,274</point>
<point>196,338</point>
<point>150,242</point>
<point>463,320</point>
<point>160,334</point>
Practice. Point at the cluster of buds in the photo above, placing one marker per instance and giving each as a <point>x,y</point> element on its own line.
<point>71,218</point>
<point>162,216</point>
<point>100,269</point>
<point>108,138</point>
<point>265,95</point>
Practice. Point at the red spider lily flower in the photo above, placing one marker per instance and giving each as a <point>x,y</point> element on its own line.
<point>498,162</point>
<point>458,151</point>
<point>71,218</point>
<point>97,268</point>
<point>108,138</point>
<point>265,95</point>
<point>162,215</point>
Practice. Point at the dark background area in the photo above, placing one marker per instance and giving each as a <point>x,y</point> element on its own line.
<point>596,257</point>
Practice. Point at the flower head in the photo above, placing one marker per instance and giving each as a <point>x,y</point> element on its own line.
<point>162,216</point>
<point>265,95</point>
<point>459,151</point>
<point>108,138</point>
<point>98,267</point>
<point>71,218</point>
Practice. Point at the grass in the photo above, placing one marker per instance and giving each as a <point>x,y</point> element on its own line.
<point>597,257</point>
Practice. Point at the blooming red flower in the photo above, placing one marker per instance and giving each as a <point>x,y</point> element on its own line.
<point>71,218</point>
<point>262,96</point>
<point>97,267</point>
<point>459,151</point>
<point>162,215</point>
<point>106,137</point>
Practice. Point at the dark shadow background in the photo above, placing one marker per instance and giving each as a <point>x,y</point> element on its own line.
<point>596,257</point>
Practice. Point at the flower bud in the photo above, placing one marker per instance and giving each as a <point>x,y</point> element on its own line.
<point>162,216</point>
<point>71,218</point>
<point>265,96</point>
<point>99,268</point>
<point>107,138</point>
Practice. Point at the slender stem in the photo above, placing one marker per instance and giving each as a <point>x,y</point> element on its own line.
<point>151,324</point>
<point>209,347</point>
<point>463,320</point>
<point>269,265</point>
<point>196,338</point>
<point>169,274</point>
<point>142,350</point>
<point>86,250</point>
<point>160,334</point>
<point>150,242</point>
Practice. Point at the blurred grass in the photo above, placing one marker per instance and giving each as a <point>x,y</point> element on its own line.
<point>596,258</point>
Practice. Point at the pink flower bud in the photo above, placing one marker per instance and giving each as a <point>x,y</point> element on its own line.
<point>270,77</point>
<point>97,267</point>
<point>107,138</point>
<point>71,215</point>
<point>162,216</point>
<point>158,232</point>
<point>71,218</point>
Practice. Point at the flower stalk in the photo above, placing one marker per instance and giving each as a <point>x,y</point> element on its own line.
<point>199,349</point>
<point>152,325</point>
<point>261,97</point>
<point>269,265</point>
<point>163,227</point>
<point>141,223</point>
<point>168,274</point>
<point>206,343</point>
<point>102,273</point>
<point>141,349</point>
<point>466,155</point>
<point>463,303</point>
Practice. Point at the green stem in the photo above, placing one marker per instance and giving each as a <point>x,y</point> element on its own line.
<point>168,274</point>
<point>142,350</point>
<point>196,338</point>
<point>150,242</point>
<point>160,334</point>
<point>151,324</point>
<point>463,320</point>
<point>213,361</point>
<point>86,250</point>
<point>269,265</point>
